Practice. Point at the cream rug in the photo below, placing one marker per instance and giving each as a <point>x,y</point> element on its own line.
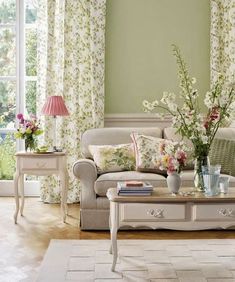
<point>140,260</point>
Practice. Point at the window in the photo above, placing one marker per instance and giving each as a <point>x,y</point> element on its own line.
<point>18,73</point>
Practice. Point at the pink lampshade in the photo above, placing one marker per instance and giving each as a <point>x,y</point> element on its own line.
<point>55,106</point>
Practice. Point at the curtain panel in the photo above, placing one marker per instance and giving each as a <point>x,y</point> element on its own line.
<point>71,45</point>
<point>223,39</point>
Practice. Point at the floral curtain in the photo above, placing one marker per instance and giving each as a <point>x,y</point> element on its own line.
<point>71,45</point>
<point>223,39</point>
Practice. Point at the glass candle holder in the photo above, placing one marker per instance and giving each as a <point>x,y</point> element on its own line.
<point>223,184</point>
<point>211,175</point>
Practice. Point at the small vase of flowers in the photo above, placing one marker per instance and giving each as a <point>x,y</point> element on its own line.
<point>200,128</point>
<point>29,129</point>
<point>172,159</point>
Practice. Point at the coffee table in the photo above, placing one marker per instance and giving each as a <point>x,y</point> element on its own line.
<point>193,211</point>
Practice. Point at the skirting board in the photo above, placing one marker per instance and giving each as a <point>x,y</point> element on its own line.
<point>31,188</point>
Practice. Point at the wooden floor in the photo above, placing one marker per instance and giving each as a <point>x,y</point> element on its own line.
<point>22,246</point>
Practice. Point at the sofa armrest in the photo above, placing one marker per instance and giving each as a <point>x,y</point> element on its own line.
<point>84,168</point>
<point>86,171</point>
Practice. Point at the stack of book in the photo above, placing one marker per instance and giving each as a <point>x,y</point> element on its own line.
<point>134,188</point>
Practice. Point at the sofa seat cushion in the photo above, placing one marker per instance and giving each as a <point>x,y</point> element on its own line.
<point>109,180</point>
<point>187,179</point>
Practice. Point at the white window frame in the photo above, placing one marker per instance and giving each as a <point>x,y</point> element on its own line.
<point>6,186</point>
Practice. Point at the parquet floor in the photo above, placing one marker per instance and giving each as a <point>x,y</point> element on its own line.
<point>22,246</point>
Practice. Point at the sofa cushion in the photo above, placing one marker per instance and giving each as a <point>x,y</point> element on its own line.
<point>113,136</point>
<point>110,158</point>
<point>187,179</point>
<point>223,152</point>
<point>147,152</point>
<point>109,180</point>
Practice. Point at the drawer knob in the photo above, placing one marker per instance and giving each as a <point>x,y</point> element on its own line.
<point>155,213</point>
<point>40,165</point>
<point>226,212</point>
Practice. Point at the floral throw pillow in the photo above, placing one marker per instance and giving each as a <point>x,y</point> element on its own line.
<point>147,151</point>
<point>110,158</point>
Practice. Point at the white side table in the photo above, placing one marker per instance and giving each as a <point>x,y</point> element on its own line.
<point>42,165</point>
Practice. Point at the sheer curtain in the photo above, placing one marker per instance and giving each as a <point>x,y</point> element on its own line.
<point>223,39</point>
<point>71,45</point>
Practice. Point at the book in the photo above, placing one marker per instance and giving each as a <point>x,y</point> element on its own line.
<point>122,186</point>
<point>134,183</point>
<point>136,193</point>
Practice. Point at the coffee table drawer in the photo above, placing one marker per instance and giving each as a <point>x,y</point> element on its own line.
<point>39,163</point>
<point>223,211</point>
<point>152,212</point>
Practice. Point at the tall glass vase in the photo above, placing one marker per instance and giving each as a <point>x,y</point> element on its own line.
<point>198,177</point>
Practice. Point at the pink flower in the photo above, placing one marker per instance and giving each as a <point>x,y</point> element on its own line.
<point>181,156</point>
<point>20,116</point>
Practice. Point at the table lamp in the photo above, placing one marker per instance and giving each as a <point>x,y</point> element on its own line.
<point>55,106</point>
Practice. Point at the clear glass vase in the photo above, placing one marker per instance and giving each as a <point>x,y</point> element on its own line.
<point>198,177</point>
<point>30,144</point>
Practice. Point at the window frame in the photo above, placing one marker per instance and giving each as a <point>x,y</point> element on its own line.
<point>20,26</point>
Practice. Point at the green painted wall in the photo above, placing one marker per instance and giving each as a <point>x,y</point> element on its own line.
<point>139,61</point>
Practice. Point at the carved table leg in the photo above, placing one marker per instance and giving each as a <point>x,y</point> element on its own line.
<point>110,228</point>
<point>114,228</point>
<point>64,187</point>
<point>21,180</point>
<point>16,181</point>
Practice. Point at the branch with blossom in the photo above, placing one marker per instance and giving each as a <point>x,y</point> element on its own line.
<point>172,156</point>
<point>187,119</point>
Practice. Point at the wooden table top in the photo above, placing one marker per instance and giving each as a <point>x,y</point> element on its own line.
<point>32,154</point>
<point>163,195</point>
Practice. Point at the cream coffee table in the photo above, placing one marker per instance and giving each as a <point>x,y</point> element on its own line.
<point>164,210</point>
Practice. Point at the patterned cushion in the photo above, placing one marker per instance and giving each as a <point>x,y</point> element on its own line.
<point>109,158</point>
<point>223,152</point>
<point>146,152</point>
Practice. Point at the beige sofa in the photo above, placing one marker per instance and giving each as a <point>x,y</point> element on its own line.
<point>94,204</point>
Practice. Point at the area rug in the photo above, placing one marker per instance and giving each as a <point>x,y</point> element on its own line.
<point>140,260</point>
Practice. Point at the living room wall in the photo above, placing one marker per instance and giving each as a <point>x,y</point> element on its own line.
<point>139,60</point>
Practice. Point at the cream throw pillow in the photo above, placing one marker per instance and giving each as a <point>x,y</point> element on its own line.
<point>147,151</point>
<point>110,158</point>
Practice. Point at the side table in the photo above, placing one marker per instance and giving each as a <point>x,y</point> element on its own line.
<point>41,165</point>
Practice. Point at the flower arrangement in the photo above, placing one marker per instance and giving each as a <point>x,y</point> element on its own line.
<point>172,156</point>
<point>28,129</point>
<point>187,117</point>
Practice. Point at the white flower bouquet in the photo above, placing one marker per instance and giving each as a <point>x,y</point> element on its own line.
<point>187,117</point>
